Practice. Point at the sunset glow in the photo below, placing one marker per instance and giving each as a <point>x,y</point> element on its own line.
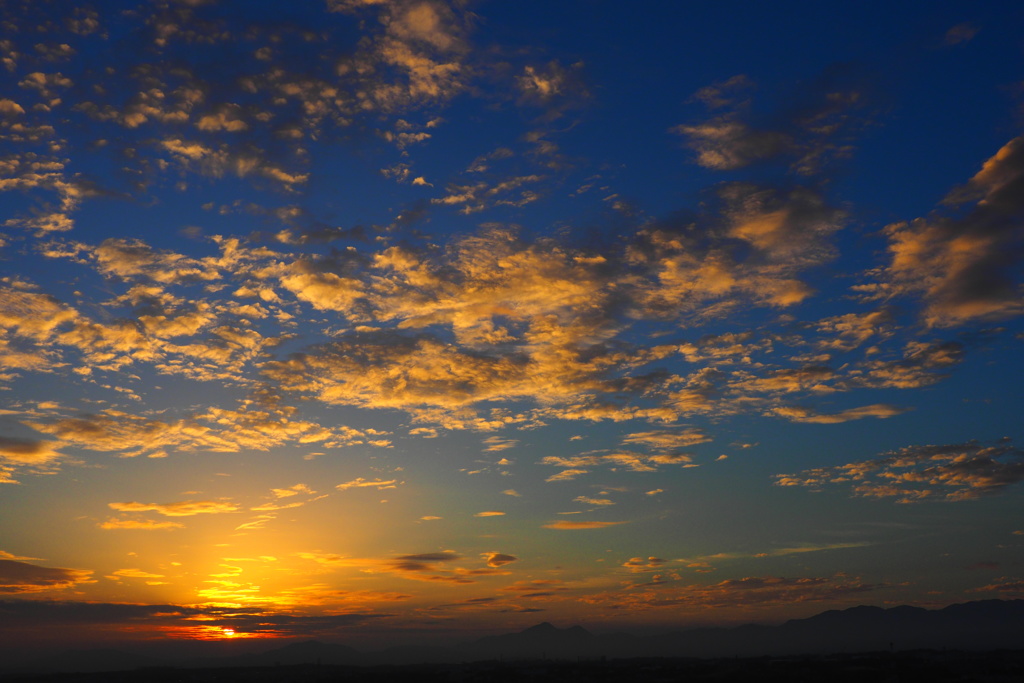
<point>408,321</point>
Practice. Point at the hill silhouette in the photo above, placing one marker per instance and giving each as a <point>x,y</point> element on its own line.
<point>538,642</point>
<point>973,626</point>
<point>305,652</point>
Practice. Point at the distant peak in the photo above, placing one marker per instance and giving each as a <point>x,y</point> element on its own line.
<point>543,627</point>
<point>548,629</point>
<point>307,645</point>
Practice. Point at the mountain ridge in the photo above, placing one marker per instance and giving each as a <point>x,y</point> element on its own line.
<point>977,625</point>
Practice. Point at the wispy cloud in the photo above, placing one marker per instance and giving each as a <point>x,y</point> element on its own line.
<point>360,483</point>
<point>494,444</point>
<point>185,508</point>
<point>144,524</point>
<point>800,414</point>
<point>917,473</point>
<point>571,526</point>
<point>753,591</point>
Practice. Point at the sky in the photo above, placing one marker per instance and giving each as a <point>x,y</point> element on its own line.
<point>382,321</point>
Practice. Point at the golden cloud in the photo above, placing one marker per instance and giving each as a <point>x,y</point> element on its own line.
<point>640,564</point>
<point>949,472</point>
<point>753,591</point>
<point>22,577</point>
<point>135,574</point>
<point>185,508</point>
<point>114,523</point>
<point>800,414</point>
<point>28,451</point>
<point>496,559</point>
<point>360,483</point>
<point>570,526</point>
<point>964,268</point>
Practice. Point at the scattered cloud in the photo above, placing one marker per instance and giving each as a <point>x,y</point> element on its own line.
<point>1009,587</point>
<point>917,473</point>
<point>31,453</point>
<point>427,567</point>
<point>23,577</point>
<point>292,491</point>
<point>4,555</point>
<point>360,483</point>
<point>134,574</point>
<point>185,508</point>
<point>640,564</point>
<point>115,523</point>
<point>751,592</point>
<point>494,444</point>
<point>496,559</point>
<point>735,137</point>
<point>593,501</point>
<point>801,414</point>
<point>966,267</point>
<point>570,526</point>
<point>705,563</point>
<point>439,567</point>
<point>961,33</point>
<point>566,475</point>
<point>667,440</point>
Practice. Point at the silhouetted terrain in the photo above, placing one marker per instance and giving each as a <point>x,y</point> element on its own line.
<point>909,667</point>
<point>958,633</point>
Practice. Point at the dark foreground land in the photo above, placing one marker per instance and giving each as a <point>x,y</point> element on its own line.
<point>925,666</point>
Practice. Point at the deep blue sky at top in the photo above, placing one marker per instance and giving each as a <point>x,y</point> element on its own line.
<point>642,65</point>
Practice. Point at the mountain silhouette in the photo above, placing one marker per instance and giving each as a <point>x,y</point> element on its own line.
<point>539,642</point>
<point>985,625</point>
<point>305,652</point>
<point>980,625</point>
<point>91,661</point>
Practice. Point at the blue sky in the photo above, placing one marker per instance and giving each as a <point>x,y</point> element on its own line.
<point>363,319</point>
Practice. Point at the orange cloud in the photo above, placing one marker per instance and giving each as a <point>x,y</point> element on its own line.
<point>27,451</point>
<point>915,473</point>
<point>579,525</point>
<point>496,559</point>
<point>138,524</point>
<point>963,268</point>
<point>754,591</point>
<point>260,424</point>
<point>134,574</point>
<point>800,414</point>
<point>22,577</point>
<point>639,564</point>
<point>185,508</point>
<point>496,443</point>
<point>360,483</point>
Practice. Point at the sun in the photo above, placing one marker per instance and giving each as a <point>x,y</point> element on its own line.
<point>213,632</point>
